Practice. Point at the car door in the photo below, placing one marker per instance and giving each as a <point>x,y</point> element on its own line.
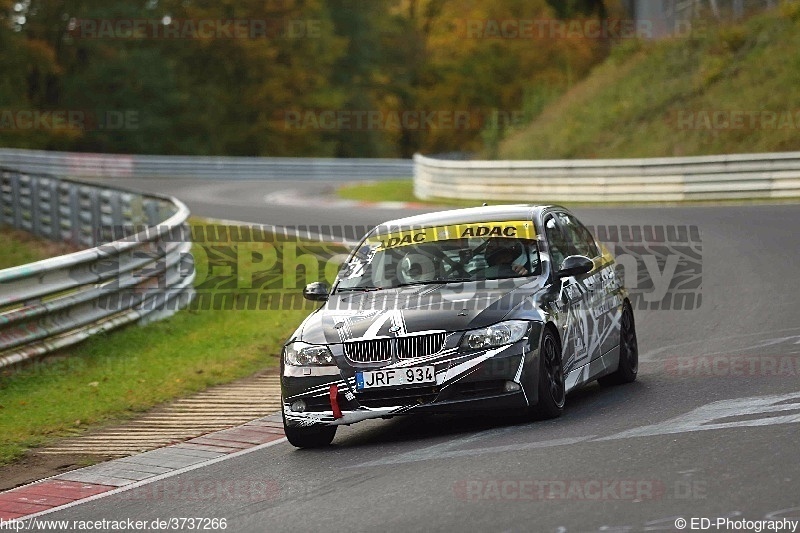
<point>572,294</point>
<point>602,292</point>
<point>608,295</point>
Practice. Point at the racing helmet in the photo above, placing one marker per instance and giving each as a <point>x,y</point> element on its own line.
<point>416,267</point>
<point>502,251</point>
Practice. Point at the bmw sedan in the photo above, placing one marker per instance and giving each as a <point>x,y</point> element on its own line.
<point>490,308</point>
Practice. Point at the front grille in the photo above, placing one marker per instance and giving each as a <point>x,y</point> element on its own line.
<point>374,351</point>
<point>396,397</point>
<point>419,345</point>
<point>380,350</point>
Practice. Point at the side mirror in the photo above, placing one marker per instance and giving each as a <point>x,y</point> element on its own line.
<point>575,265</point>
<point>316,292</point>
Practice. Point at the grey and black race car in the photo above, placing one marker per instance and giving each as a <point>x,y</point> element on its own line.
<point>507,307</point>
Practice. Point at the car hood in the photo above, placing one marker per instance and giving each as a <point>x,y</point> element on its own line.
<point>415,309</point>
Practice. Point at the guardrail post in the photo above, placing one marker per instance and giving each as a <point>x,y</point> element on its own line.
<point>55,225</point>
<point>151,212</point>
<point>92,217</point>
<point>74,209</point>
<point>16,201</point>
<point>36,225</point>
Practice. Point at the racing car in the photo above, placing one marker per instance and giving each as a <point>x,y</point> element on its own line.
<point>492,308</point>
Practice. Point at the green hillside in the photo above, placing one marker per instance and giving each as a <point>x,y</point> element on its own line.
<point>729,89</point>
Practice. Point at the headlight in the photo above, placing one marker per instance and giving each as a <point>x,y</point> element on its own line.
<point>496,335</point>
<point>302,354</point>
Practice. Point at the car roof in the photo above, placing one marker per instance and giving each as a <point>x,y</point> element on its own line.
<point>494,213</point>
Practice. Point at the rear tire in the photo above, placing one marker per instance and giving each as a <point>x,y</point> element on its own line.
<point>628,352</point>
<point>551,389</point>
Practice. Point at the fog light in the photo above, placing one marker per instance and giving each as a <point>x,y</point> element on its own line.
<point>298,406</point>
<point>511,386</point>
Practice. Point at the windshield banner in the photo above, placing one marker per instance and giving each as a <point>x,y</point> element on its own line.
<point>514,229</point>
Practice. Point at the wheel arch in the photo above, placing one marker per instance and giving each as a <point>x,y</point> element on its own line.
<point>551,326</point>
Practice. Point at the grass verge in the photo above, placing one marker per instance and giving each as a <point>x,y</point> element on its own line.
<point>395,190</point>
<point>113,376</point>
<point>729,88</point>
<point>20,247</point>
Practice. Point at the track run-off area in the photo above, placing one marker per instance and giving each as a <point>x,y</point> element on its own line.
<point>709,430</point>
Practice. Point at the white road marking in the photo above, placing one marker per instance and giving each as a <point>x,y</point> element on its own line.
<point>650,355</point>
<point>296,198</point>
<point>753,411</point>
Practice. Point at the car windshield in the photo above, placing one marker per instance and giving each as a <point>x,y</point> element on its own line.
<point>442,254</point>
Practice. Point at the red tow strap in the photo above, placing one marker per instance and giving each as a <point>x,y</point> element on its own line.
<point>337,412</point>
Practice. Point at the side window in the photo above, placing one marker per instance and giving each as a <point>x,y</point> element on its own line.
<point>560,242</point>
<point>579,236</point>
<point>588,241</point>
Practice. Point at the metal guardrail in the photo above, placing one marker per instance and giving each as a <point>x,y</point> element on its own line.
<point>138,267</point>
<point>87,165</point>
<point>727,177</point>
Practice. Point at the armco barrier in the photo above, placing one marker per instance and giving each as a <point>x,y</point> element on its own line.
<point>727,177</point>
<point>57,302</point>
<point>87,165</point>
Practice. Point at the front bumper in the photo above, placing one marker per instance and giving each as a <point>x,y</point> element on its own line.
<point>464,383</point>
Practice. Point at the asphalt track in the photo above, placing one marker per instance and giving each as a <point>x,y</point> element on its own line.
<point>719,440</point>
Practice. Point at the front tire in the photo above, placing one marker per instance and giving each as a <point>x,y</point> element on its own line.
<point>310,437</point>
<point>628,352</point>
<point>551,389</point>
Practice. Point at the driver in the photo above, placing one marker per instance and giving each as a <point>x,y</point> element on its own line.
<point>416,267</point>
<point>506,252</point>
